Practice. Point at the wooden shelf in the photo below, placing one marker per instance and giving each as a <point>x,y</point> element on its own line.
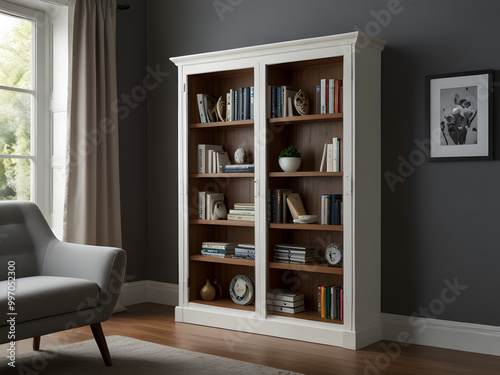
<point>227,223</point>
<point>318,268</point>
<point>227,303</point>
<point>306,174</point>
<point>221,175</point>
<point>233,261</point>
<point>307,119</point>
<point>309,315</point>
<point>223,124</point>
<point>335,228</point>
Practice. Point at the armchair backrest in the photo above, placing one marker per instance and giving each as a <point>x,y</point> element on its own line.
<point>24,237</point>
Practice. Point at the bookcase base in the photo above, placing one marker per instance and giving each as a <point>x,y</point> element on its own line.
<point>235,321</point>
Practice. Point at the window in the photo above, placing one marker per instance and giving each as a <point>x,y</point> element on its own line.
<point>33,93</point>
<point>17,107</point>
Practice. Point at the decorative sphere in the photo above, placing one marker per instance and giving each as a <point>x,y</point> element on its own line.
<point>240,155</point>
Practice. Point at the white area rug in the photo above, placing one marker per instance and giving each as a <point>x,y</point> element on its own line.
<point>129,356</point>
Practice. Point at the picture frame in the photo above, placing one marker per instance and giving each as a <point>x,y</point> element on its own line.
<point>459,112</point>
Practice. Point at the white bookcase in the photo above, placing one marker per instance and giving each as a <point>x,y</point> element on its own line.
<point>353,58</point>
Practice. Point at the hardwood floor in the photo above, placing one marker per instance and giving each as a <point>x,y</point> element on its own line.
<point>155,323</point>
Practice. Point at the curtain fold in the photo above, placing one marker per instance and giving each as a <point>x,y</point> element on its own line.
<point>92,192</point>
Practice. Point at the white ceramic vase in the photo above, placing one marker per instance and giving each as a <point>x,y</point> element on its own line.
<point>288,164</point>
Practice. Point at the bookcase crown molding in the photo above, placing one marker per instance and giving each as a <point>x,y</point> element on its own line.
<point>355,39</point>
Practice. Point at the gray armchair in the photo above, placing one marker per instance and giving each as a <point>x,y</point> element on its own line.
<point>48,285</point>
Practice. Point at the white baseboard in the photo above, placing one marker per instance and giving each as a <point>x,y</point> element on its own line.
<point>150,291</point>
<point>447,334</point>
<point>468,337</point>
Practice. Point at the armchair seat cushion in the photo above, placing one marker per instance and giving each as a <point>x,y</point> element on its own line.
<point>43,296</point>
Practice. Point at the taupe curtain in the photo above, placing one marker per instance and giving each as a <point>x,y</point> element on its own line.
<point>92,200</point>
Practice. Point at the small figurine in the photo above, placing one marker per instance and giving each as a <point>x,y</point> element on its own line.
<point>240,155</point>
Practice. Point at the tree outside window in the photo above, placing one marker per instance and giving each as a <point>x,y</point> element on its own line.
<point>16,107</point>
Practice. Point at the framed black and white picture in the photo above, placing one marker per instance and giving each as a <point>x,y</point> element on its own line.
<point>460,116</point>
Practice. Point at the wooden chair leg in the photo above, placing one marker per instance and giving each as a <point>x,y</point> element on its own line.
<point>36,343</point>
<point>101,342</point>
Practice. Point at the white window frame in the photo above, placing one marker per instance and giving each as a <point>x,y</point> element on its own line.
<point>46,102</point>
<point>39,73</point>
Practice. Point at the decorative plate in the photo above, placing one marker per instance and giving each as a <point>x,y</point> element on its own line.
<point>242,290</point>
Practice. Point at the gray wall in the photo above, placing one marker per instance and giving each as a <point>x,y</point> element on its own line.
<point>441,222</point>
<point>132,59</point>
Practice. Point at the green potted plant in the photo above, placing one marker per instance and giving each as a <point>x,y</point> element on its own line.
<point>289,159</point>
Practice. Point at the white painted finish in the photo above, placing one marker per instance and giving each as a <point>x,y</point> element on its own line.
<point>476,338</point>
<point>361,124</point>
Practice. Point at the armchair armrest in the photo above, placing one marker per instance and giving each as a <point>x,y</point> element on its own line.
<point>103,265</point>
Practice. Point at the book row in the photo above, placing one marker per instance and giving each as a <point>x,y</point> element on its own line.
<point>284,206</point>
<point>331,209</point>
<point>330,95</point>
<point>331,302</point>
<point>281,101</point>
<point>214,159</point>
<point>331,158</point>
<point>238,105</point>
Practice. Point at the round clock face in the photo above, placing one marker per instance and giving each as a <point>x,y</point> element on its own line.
<point>333,254</point>
<point>242,290</point>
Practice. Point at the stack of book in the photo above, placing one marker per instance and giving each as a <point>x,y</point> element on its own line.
<point>245,251</point>
<point>242,211</point>
<point>206,203</point>
<point>284,300</point>
<point>331,209</point>
<point>331,302</point>
<point>218,249</point>
<point>329,96</point>
<point>331,158</point>
<point>238,168</point>
<point>290,253</point>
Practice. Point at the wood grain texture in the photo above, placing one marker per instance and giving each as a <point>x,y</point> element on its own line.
<point>155,323</point>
